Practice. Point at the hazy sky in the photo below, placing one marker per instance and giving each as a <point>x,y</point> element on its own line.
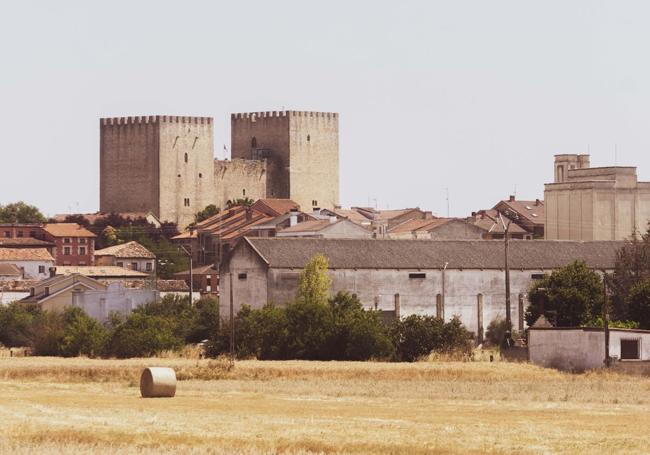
<point>473,96</point>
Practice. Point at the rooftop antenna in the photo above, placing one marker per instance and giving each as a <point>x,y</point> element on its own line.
<point>615,155</point>
<point>514,192</point>
<point>447,192</point>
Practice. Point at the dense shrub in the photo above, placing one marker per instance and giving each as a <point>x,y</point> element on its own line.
<point>496,331</point>
<point>638,303</point>
<point>144,335</point>
<point>16,321</point>
<point>416,336</point>
<point>82,335</point>
<point>338,330</point>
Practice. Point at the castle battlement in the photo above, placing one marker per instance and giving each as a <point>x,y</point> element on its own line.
<point>147,119</point>
<point>279,114</point>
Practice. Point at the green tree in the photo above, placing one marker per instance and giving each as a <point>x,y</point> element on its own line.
<point>315,282</point>
<point>632,267</point>
<point>357,334</point>
<point>16,321</point>
<point>570,296</point>
<point>109,236</point>
<point>209,211</point>
<point>638,304</point>
<point>416,336</point>
<point>20,212</point>
<point>82,335</point>
<point>245,202</point>
<point>142,335</point>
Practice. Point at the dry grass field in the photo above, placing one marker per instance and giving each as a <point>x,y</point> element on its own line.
<point>52,405</point>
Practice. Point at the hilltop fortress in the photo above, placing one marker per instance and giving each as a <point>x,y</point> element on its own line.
<point>165,164</point>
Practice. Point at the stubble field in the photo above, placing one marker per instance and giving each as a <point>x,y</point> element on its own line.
<point>52,405</point>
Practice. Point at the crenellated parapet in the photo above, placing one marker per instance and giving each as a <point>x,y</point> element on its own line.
<point>152,119</point>
<point>253,116</point>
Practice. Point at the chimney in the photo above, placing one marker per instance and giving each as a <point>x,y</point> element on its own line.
<point>428,215</point>
<point>317,211</point>
<point>52,272</point>
<point>249,214</point>
<point>512,198</point>
<point>538,202</point>
<point>293,217</point>
<point>333,219</point>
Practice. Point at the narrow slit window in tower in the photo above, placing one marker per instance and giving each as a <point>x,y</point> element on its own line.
<point>254,142</point>
<point>186,157</point>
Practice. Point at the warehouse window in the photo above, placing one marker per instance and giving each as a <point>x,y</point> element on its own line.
<point>417,275</point>
<point>630,349</point>
<point>242,276</point>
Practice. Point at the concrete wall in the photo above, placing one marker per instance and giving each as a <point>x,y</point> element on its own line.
<point>127,263</point>
<point>251,290</point>
<point>115,299</point>
<point>579,349</point>
<point>7,297</point>
<point>238,179</point>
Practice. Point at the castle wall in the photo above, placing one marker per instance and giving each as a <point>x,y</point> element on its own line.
<point>239,179</point>
<point>186,177</point>
<point>264,135</point>
<point>314,159</point>
<point>128,164</point>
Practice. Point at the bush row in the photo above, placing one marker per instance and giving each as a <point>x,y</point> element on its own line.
<point>338,330</point>
<point>150,329</point>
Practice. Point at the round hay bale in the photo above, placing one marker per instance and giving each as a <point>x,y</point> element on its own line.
<point>158,382</point>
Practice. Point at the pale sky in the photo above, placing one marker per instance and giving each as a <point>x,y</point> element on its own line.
<point>473,96</point>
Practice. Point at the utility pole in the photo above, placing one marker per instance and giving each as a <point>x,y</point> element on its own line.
<point>189,254</point>
<point>506,229</point>
<point>232,321</point>
<point>606,319</point>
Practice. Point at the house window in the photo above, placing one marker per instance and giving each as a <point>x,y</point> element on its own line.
<point>537,276</point>
<point>82,251</point>
<point>66,251</point>
<point>242,276</point>
<point>186,202</point>
<point>134,266</point>
<point>19,233</point>
<point>630,349</point>
<point>200,175</point>
<point>41,269</point>
<point>120,264</point>
<point>254,142</point>
<point>82,241</point>
<point>415,275</point>
<point>149,267</point>
<point>67,240</point>
<point>314,203</point>
<point>7,234</point>
<point>32,234</point>
<point>186,157</point>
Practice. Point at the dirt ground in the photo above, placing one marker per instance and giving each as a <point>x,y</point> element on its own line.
<point>89,406</point>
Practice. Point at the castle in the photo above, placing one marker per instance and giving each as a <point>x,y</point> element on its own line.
<point>165,164</point>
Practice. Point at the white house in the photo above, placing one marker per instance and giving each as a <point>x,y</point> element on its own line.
<point>34,263</point>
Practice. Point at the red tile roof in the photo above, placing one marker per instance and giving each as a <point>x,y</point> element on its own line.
<point>67,230</point>
<point>126,250</point>
<point>275,207</point>
<point>25,254</point>
<point>23,242</point>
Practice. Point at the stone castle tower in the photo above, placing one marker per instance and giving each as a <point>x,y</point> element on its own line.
<point>163,164</point>
<point>166,165</point>
<point>301,149</point>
